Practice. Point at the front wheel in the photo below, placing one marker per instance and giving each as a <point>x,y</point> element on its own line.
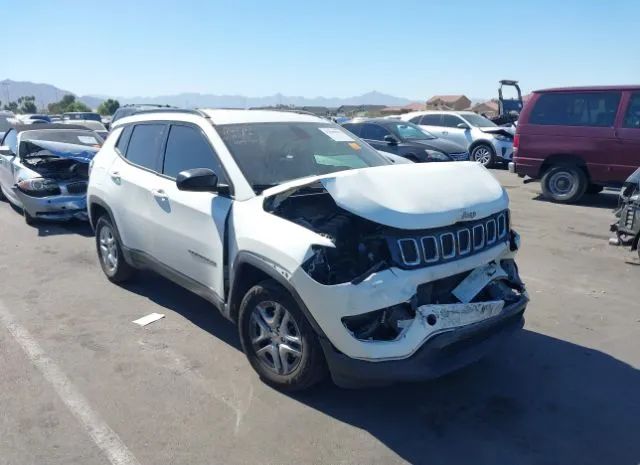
<point>276,337</point>
<point>30,220</point>
<point>483,154</point>
<point>564,183</point>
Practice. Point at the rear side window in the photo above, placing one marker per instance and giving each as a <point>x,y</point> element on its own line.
<point>632,117</point>
<point>431,120</point>
<point>124,140</point>
<point>144,145</point>
<point>415,119</point>
<point>596,109</point>
<point>187,148</point>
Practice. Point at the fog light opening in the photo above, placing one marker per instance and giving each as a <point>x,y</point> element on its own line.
<point>431,319</point>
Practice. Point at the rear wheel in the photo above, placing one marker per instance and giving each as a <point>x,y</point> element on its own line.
<point>276,337</point>
<point>564,183</point>
<point>483,154</point>
<point>112,260</point>
<point>2,196</point>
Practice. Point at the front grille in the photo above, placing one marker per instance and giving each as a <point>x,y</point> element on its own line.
<point>77,188</point>
<point>445,244</point>
<point>460,156</point>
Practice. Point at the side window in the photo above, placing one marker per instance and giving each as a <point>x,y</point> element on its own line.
<point>415,119</point>
<point>632,117</point>
<point>123,141</point>
<point>144,145</point>
<point>451,121</point>
<point>187,148</point>
<point>596,109</point>
<point>352,128</point>
<point>431,120</point>
<point>374,132</point>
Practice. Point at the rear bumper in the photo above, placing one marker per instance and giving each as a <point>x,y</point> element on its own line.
<point>439,355</point>
<point>58,208</point>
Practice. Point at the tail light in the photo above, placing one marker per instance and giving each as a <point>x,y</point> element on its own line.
<point>516,144</point>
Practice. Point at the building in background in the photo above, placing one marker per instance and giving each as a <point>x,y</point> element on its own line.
<point>448,102</point>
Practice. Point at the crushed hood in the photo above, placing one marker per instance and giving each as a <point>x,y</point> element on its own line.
<point>411,196</point>
<point>499,130</point>
<point>81,153</point>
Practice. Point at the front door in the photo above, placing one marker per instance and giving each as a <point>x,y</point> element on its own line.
<point>452,132</point>
<point>374,134</point>
<point>189,227</point>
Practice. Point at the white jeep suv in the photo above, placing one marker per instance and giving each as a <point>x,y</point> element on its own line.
<point>486,142</point>
<point>324,253</point>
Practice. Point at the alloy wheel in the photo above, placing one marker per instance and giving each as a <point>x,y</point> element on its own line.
<point>482,155</point>
<point>561,183</point>
<point>108,249</point>
<point>275,337</point>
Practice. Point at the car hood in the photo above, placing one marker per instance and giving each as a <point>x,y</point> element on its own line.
<point>411,196</point>
<point>439,144</point>
<point>81,153</point>
<point>499,130</point>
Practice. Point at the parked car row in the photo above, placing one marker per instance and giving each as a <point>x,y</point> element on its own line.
<point>325,254</point>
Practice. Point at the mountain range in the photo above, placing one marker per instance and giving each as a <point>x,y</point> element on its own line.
<point>47,93</point>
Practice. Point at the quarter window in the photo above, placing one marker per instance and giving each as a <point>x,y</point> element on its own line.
<point>597,109</point>
<point>187,149</point>
<point>144,145</point>
<point>123,140</point>
<point>632,117</point>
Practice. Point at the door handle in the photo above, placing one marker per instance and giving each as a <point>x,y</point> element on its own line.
<point>115,175</point>
<point>159,194</point>
<point>444,133</point>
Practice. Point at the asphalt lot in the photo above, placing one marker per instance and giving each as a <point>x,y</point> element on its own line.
<point>78,378</point>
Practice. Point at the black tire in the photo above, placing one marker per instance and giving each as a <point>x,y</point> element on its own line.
<point>564,183</point>
<point>484,154</point>
<point>310,367</point>
<point>412,157</point>
<point>30,220</point>
<point>2,196</point>
<point>594,189</point>
<point>117,270</point>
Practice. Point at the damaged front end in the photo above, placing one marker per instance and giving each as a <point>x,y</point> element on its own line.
<point>403,272</point>
<point>626,227</point>
<point>52,180</point>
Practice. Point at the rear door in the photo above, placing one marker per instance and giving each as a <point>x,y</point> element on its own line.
<point>189,227</point>
<point>628,134</point>
<point>431,122</point>
<point>133,179</point>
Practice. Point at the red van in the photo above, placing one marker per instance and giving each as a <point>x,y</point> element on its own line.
<point>578,139</point>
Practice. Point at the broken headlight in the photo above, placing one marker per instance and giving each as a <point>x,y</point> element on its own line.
<point>380,325</point>
<point>39,187</point>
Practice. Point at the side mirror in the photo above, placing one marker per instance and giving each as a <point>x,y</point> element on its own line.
<point>197,180</point>
<point>390,140</point>
<point>5,150</point>
<point>462,126</point>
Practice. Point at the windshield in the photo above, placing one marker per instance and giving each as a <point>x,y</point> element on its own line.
<point>271,153</point>
<point>410,131</point>
<point>478,121</point>
<point>4,124</point>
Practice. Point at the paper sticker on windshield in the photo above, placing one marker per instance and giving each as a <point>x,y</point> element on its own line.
<point>337,134</point>
<point>354,146</point>
<point>87,140</point>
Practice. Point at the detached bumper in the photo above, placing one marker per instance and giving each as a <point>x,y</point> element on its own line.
<point>58,208</point>
<point>441,354</point>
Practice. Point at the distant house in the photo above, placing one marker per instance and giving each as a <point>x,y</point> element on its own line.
<point>448,102</point>
<point>413,106</point>
<point>360,110</point>
<point>489,108</point>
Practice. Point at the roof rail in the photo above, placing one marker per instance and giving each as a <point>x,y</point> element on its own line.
<point>173,110</point>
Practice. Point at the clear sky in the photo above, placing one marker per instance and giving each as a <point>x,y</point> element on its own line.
<point>408,48</point>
